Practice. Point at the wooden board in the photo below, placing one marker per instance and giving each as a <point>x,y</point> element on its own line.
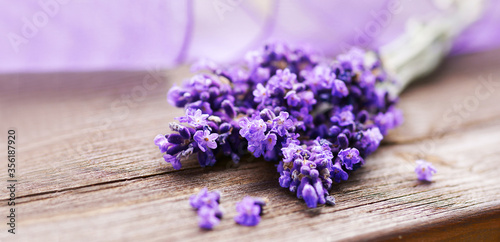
<point>87,167</point>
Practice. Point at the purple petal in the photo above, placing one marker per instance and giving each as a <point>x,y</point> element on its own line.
<point>212,144</point>
<point>310,196</point>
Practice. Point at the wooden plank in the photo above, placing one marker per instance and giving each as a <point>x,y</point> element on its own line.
<point>88,168</point>
<point>480,227</point>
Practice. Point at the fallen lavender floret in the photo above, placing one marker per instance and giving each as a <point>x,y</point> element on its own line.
<point>318,119</point>
<point>424,170</point>
<point>207,204</point>
<point>249,211</point>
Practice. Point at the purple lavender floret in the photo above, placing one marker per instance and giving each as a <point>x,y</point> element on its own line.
<point>317,118</point>
<point>205,140</point>
<point>205,198</point>
<point>207,204</point>
<point>207,218</point>
<point>424,170</point>
<point>349,157</point>
<point>194,118</point>
<point>249,211</point>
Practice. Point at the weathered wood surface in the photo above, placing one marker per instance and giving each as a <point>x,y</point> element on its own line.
<point>88,168</point>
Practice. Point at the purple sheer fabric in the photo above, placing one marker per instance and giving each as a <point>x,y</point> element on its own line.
<point>67,35</point>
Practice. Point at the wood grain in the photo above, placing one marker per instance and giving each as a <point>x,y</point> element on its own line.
<point>88,169</point>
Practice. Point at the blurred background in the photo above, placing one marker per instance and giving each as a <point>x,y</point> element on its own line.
<point>90,35</point>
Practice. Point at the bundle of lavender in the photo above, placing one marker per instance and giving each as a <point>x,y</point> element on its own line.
<point>318,119</point>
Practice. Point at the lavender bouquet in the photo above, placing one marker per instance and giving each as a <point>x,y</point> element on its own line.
<point>318,119</point>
